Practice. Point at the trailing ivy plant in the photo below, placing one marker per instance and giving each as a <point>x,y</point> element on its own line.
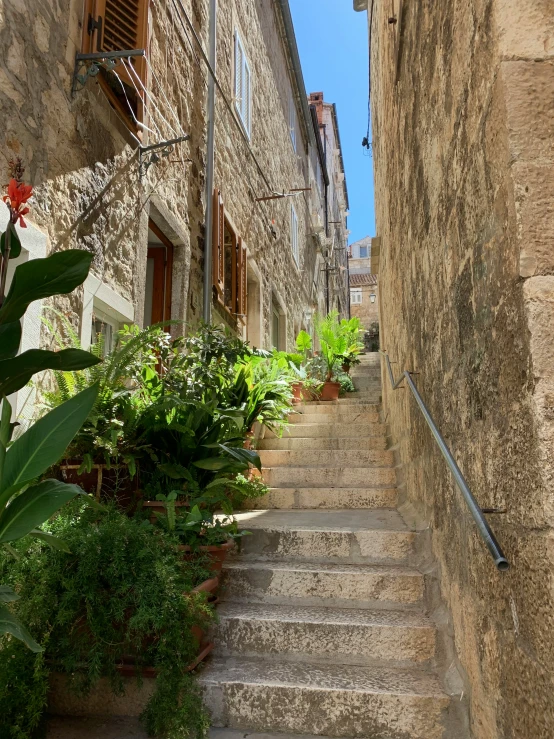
<point>123,596</point>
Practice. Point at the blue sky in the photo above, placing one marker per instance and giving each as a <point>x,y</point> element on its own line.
<point>332,41</point>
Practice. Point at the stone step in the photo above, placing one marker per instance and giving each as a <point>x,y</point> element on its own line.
<point>373,398</point>
<point>328,430</point>
<point>296,444</point>
<point>342,458</point>
<point>336,414</point>
<point>315,477</point>
<point>339,636</point>
<point>314,584</point>
<point>364,536</point>
<point>335,700</point>
<point>326,498</point>
<point>235,734</point>
<point>70,727</point>
<point>340,406</point>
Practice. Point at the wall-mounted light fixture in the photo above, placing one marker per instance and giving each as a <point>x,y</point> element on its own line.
<point>372,297</point>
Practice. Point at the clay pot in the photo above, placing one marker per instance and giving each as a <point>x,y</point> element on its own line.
<point>297,393</point>
<point>156,506</point>
<point>330,391</point>
<point>346,368</point>
<point>216,554</point>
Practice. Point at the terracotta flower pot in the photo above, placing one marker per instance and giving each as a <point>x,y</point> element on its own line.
<point>216,554</point>
<point>297,393</point>
<point>330,391</point>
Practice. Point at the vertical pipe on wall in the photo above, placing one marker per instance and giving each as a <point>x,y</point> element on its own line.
<point>210,163</point>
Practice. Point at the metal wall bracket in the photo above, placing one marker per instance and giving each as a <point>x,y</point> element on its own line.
<point>89,65</point>
<point>149,155</point>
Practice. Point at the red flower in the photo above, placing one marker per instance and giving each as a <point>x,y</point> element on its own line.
<point>17,196</point>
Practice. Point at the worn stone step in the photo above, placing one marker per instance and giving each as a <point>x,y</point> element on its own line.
<point>317,584</point>
<point>378,535</point>
<point>327,458</point>
<point>327,429</point>
<point>236,734</point>
<point>354,477</point>
<point>297,444</point>
<point>353,498</point>
<point>70,727</point>
<point>340,636</point>
<point>340,701</point>
<point>336,407</point>
<point>342,414</point>
<point>372,398</point>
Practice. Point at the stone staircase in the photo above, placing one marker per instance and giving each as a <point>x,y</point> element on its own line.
<point>323,630</point>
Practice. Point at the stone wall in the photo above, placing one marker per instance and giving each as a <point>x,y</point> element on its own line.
<point>83,160</point>
<point>463,148</point>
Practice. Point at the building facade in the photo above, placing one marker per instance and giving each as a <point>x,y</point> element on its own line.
<point>107,103</point>
<point>364,291</point>
<point>463,142</point>
<point>336,206</point>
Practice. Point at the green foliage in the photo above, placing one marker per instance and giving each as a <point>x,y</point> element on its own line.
<point>339,340</point>
<point>119,597</point>
<point>346,384</point>
<point>23,504</point>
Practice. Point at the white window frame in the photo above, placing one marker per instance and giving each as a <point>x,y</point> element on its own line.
<point>292,120</point>
<point>242,86</point>
<point>294,235</point>
<point>360,252</point>
<point>100,300</point>
<point>356,296</point>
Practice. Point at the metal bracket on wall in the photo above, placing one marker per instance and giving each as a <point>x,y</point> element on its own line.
<point>89,65</point>
<point>149,155</point>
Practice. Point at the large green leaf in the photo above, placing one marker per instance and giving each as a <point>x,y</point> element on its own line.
<point>7,594</point>
<point>10,338</point>
<point>10,624</point>
<point>60,273</point>
<point>15,243</point>
<point>212,463</point>
<point>51,540</point>
<point>246,456</point>
<point>15,373</point>
<point>33,507</point>
<point>44,443</point>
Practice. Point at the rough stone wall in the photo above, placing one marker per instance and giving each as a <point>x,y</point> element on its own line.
<point>81,157</point>
<point>463,149</point>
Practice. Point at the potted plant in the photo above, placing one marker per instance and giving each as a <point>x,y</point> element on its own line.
<point>351,331</point>
<point>333,344</point>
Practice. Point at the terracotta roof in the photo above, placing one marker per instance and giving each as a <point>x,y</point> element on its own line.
<point>359,280</point>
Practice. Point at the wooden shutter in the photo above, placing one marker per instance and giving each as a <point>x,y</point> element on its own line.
<point>218,247</point>
<point>117,25</point>
<point>242,284</point>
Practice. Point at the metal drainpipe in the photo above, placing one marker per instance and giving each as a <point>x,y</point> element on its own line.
<point>210,163</point>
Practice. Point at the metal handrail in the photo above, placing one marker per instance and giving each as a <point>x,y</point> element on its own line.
<point>474,508</point>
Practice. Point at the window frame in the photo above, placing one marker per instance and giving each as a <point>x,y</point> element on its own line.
<point>239,265</point>
<point>366,252</point>
<point>356,292</point>
<point>294,231</point>
<point>243,111</point>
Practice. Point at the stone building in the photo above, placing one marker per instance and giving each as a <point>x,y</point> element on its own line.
<point>117,147</point>
<point>336,205</point>
<point>462,101</point>
<point>364,293</point>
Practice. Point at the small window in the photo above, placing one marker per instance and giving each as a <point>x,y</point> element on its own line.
<point>294,235</point>
<point>356,296</point>
<point>363,252</point>
<point>104,331</point>
<point>243,92</point>
<point>292,121</point>
<point>159,275</point>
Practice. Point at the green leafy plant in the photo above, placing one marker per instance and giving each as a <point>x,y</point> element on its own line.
<point>25,502</point>
<point>122,597</point>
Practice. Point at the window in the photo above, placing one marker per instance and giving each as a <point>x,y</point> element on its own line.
<point>104,330</point>
<point>292,121</point>
<point>294,235</point>
<point>119,25</point>
<point>363,252</point>
<point>243,93</point>
<point>275,327</point>
<point>159,275</point>
<point>229,264</point>
<point>356,296</point>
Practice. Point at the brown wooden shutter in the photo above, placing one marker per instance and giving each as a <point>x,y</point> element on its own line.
<point>242,284</point>
<point>218,246</point>
<point>117,25</point>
